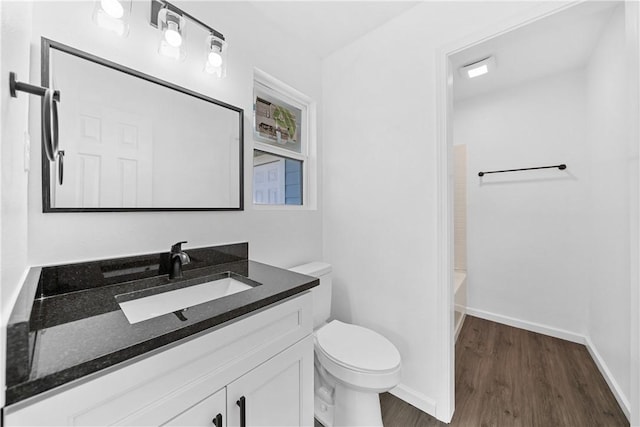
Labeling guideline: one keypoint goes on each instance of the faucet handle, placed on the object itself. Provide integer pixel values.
(186, 259)
(177, 247)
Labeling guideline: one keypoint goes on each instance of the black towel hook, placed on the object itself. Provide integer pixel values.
(49, 115)
(15, 86)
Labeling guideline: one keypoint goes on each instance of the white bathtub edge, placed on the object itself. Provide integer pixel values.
(459, 278)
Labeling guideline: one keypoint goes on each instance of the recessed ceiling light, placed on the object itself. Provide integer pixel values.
(478, 68)
(477, 71)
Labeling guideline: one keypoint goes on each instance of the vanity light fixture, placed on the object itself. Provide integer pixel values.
(478, 68)
(216, 56)
(172, 33)
(113, 15)
(171, 21)
(172, 26)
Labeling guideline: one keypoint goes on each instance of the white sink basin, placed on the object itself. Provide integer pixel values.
(152, 306)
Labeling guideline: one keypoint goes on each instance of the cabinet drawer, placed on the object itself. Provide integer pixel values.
(155, 388)
(203, 414)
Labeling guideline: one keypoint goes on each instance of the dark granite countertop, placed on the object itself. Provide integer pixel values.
(67, 322)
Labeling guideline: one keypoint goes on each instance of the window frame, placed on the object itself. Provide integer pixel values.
(269, 85)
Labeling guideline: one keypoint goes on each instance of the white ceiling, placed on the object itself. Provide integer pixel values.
(557, 43)
(326, 26)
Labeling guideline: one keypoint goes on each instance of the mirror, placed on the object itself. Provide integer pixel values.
(132, 142)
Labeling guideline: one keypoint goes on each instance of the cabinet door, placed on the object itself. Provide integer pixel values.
(207, 413)
(278, 392)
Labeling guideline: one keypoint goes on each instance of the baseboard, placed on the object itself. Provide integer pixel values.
(608, 377)
(458, 327)
(527, 326)
(415, 398)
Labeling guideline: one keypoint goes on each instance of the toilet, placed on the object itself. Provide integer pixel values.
(352, 364)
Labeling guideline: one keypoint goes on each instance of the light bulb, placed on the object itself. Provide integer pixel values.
(113, 8)
(172, 34)
(215, 59)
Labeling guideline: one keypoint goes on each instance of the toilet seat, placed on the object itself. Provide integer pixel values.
(357, 348)
(358, 356)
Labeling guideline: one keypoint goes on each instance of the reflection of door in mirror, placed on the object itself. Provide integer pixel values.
(268, 182)
(135, 142)
(110, 158)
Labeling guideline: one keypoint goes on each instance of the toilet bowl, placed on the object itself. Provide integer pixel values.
(352, 364)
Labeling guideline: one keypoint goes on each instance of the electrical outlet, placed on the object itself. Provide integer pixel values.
(27, 151)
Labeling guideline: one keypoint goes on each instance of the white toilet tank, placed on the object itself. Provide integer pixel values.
(321, 294)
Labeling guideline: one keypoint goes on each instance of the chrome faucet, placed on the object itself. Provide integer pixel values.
(177, 258)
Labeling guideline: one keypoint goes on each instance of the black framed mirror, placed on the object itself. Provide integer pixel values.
(133, 142)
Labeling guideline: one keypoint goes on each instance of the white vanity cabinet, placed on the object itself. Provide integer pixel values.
(268, 395)
(264, 358)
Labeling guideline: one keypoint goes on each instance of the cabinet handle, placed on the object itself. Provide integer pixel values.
(217, 421)
(243, 411)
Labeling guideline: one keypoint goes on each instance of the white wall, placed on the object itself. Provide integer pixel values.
(632, 27)
(15, 28)
(380, 195)
(283, 238)
(528, 232)
(609, 309)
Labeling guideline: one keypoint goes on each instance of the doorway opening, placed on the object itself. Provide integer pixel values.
(530, 260)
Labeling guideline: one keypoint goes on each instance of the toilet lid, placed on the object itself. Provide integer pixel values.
(357, 348)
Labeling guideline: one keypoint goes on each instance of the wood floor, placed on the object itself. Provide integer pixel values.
(510, 377)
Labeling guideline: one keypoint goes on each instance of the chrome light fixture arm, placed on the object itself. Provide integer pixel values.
(157, 5)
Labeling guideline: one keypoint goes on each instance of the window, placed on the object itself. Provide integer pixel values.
(284, 145)
(277, 180)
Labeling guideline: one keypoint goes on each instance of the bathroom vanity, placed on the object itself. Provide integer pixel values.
(240, 359)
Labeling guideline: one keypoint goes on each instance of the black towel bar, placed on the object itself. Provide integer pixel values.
(561, 167)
